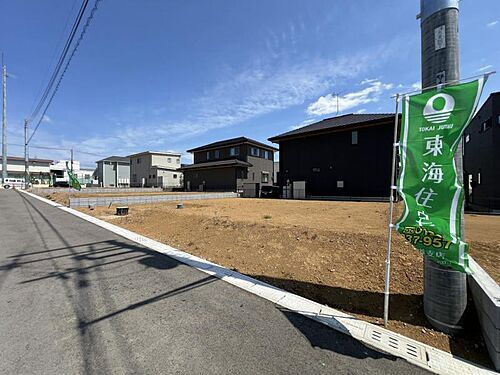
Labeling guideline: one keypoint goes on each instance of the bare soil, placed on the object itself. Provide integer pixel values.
(331, 252)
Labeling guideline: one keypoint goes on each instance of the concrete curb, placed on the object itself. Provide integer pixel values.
(417, 353)
(141, 199)
(486, 295)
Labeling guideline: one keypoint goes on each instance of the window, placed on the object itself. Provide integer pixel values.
(138, 160)
(354, 137)
(265, 177)
(174, 176)
(208, 155)
(87, 176)
(340, 184)
(134, 177)
(217, 154)
(253, 176)
(498, 122)
(254, 151)
(169, 160)
(485, 125)
(479, 177)
(316, 170)
(178, 160)
(234, 151)
(266, 154)
(154, 176)
(467, 138)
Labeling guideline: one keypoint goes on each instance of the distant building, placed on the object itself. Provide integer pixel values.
(227, 165)
(156, 169)
(482, 156)
(343, 156)
(60, 175)
(113, 172)
(39, 169)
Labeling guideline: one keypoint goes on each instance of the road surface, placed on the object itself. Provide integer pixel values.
(78, 299)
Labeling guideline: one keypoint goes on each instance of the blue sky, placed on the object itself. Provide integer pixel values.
(171, 75)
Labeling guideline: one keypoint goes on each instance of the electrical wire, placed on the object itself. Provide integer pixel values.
(82, 34)
(56, 47)
(62, 57)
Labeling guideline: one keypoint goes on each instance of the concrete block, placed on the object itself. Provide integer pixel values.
(486, 295)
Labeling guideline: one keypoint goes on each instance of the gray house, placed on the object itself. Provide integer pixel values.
(113, 171)
(155, 169)
(228, 165)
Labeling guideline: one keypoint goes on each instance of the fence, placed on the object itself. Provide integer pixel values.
(145, 199)
(94, 190)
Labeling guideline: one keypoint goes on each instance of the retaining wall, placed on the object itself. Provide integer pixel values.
(94, 190)
(145, 199)
(486, 295)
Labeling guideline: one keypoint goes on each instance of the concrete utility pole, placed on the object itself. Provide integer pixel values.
(4, 123)
(445, 290)
(26, 156)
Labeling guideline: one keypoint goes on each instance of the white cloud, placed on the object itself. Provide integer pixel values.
(416, 85)
(328, 104)
(359, 111)
(486, 67)
(491, 24)
(268, 84)
(302, 124)
(47, 119)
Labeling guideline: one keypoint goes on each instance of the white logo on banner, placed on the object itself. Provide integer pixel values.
(439, 116)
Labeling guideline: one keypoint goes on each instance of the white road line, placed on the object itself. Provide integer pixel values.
(422, 355)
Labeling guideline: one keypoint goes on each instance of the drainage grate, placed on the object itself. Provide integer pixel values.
(395, 344)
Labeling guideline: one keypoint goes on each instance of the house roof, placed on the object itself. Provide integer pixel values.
(233, 141)
(120, 159)
(349, 120)
(31, 160)
(168, 153)
(217, 164)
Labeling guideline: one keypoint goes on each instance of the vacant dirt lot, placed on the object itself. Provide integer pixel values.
(331, 252)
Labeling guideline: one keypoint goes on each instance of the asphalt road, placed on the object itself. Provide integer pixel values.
(77, 299)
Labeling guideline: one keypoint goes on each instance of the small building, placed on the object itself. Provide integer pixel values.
(39, 169)
(155, 169)
(60, 175)
(113, 172)
(228, 165)
(346, 156)
(481, 157)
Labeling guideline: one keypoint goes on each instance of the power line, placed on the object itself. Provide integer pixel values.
(62, 57)
(82, 34)
(45, 76)
(60, 149)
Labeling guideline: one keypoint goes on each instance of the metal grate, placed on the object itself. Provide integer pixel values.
(395, 344)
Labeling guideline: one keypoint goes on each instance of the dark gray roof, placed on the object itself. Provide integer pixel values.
(219, 163)
(232, 141)
(350, 120)
(120, 159)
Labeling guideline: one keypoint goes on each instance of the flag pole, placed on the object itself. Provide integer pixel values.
(391, 210)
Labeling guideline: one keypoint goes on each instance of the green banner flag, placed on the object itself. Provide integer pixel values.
(433, 124)
(73, 181)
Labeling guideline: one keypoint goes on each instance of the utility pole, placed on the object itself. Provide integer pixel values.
(445, 290)
(71, 161)
(26, 156)
(4, 122)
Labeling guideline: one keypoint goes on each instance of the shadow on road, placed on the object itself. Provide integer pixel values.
(323, 337)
